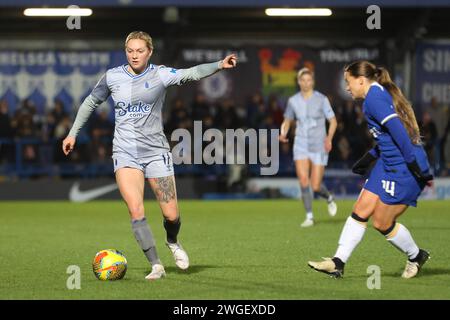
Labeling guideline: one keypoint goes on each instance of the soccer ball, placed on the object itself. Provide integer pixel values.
(109, 264)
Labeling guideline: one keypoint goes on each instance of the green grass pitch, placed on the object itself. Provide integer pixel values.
(238, 250)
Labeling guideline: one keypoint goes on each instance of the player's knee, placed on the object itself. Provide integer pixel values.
(363, 208)
(304, 181)
(357, 207)
(136, 210)
(381, 225)
(171, 216)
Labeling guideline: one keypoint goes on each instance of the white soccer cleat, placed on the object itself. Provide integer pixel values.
(158, 272)
(332, 208)
(307, 223)
(327, 266)
(412, 268)
(180, 256)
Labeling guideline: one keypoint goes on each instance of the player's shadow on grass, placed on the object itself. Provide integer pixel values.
(423, 273)
(340, 221)
(430, 228)
(191, 270)
(433, 271)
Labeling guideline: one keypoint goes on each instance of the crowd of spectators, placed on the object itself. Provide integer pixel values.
(40, 135)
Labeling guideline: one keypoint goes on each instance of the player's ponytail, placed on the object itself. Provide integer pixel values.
(402, 106)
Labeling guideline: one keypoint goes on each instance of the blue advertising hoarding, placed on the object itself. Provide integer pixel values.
(432, 72)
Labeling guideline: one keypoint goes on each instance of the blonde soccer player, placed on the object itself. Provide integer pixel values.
(140, 149)
(310, 109)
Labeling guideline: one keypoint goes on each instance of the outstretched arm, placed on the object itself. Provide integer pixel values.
(171, 76)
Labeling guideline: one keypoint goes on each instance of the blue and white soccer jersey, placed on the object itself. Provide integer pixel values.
(139, 140)
(310, 115)
(390, 178)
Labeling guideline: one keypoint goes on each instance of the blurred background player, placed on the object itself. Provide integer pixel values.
(398, 177)
(140, 148)
(312, 144)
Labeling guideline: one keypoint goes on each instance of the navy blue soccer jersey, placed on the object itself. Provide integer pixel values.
(391, 179)
(378, 108)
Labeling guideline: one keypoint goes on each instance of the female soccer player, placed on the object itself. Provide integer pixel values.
(312, 144)
(140, 148)
(398, 177)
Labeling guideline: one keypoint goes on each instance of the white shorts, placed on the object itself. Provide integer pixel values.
(153, 167)
(318, 158)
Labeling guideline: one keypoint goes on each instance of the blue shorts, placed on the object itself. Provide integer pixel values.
(398, 187)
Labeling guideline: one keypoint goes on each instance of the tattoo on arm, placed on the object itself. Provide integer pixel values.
(165, 189)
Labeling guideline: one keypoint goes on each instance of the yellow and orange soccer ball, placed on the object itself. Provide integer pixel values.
(109, 264)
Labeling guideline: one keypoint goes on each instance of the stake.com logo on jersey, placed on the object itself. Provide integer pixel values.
(133, 111)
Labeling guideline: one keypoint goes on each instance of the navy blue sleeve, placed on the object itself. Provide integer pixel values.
(375, 152)
(401, 138)
(379, 106)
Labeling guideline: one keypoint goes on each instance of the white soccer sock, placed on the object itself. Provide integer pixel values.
(309, 216)
(351, 236)
(401, 238)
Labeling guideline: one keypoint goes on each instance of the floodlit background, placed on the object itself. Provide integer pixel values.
(48, 65)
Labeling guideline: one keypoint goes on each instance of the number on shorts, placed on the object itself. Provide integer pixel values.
(389, 186)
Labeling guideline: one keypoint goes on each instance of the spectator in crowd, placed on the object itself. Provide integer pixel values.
(58, 112)
(29, 154)
(275, 111)
(430, 138)
(6, 134)
(226, 116)
(60, 131)
(260, 116)
(24, 121)
(446, 149)
(26, 127)
(179, 117)
(439, 115)
(342, 152)
(101, 130)
(6, 130)
(200, 108)
(348, 111)
(256, 111)
(357, 134)
(54, 117)
(286, 164)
